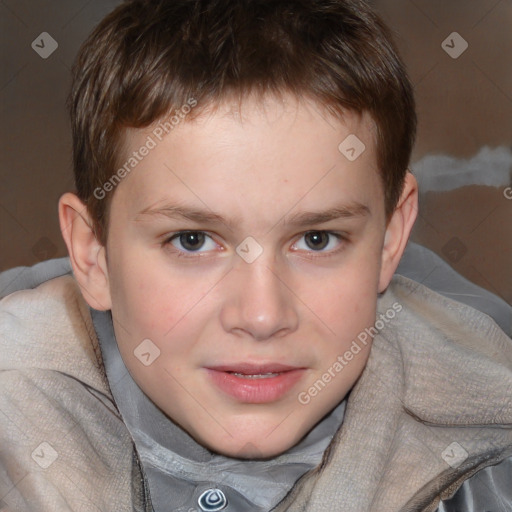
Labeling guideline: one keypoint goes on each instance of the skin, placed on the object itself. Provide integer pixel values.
(258, 168)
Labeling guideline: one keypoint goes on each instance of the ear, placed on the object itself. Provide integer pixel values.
(398, 230)
(87, 255)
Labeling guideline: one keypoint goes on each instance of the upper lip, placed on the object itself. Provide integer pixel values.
(254, 369)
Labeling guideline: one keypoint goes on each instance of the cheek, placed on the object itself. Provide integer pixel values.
(145, 296)
(349, 303)
(163, 306)
(148, 309)
(347, 321)
(137, 305)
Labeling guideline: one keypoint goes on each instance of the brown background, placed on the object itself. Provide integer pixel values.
(463, 104)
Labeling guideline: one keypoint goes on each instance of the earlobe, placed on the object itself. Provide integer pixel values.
(398, 230)
(87, 255)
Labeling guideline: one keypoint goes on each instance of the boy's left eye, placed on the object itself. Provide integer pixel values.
(318, 241)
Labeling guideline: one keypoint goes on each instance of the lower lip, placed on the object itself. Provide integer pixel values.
(256, 391)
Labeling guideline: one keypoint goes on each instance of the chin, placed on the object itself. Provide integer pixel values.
(249, 447)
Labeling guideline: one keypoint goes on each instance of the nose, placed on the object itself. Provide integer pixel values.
(257, 302)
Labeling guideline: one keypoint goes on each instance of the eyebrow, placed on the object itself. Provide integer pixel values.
(349, 211)
(301, 219)
(183, 212)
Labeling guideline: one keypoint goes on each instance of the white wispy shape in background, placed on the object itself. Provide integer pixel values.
(440, 173)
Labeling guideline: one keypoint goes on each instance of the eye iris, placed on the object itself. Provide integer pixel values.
(317, 240)
(192, 241)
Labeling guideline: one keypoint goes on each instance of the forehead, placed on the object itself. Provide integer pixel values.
(261, 157)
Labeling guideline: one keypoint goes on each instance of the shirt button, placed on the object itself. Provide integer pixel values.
(212, 500)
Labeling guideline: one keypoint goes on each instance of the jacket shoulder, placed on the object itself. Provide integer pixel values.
(61, 435)
(448, 321)
(50, 328)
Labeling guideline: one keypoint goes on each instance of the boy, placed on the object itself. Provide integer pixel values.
(231, 337)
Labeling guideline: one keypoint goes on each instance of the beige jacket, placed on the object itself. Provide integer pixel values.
(436, 393)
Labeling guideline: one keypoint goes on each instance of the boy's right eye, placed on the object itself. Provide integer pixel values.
(192, 241)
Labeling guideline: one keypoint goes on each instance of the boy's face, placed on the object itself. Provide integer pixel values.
(277, 273)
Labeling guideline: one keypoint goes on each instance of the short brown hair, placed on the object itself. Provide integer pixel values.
(149, 57)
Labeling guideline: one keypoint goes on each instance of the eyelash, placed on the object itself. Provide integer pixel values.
(341, 238)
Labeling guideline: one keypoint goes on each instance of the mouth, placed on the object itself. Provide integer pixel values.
(257, 376)
(255, 384)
